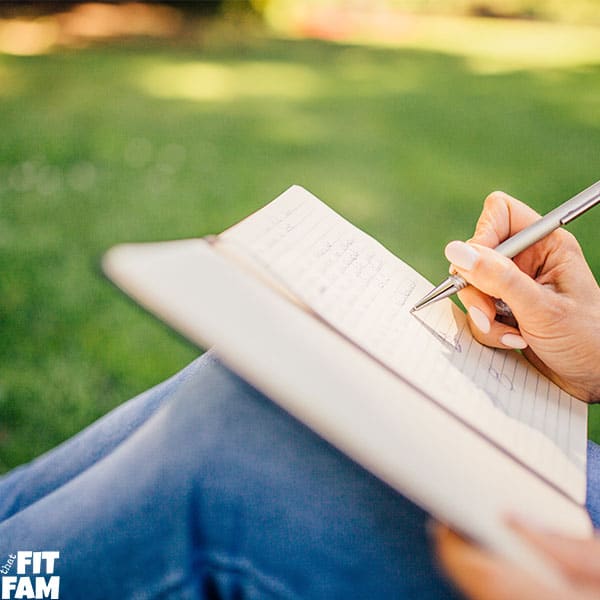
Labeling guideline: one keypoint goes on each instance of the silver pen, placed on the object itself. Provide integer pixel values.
(556, 218)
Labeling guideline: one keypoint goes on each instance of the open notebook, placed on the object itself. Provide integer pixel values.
(315, 313)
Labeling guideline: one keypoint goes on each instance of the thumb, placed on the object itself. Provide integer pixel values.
(495, 275)
(578, 558)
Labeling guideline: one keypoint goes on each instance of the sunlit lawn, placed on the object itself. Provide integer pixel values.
(100, 146)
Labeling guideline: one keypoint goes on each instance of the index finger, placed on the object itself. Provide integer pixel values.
(502, 217)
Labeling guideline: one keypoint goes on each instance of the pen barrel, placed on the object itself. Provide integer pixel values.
(561, 215)
(528, 236)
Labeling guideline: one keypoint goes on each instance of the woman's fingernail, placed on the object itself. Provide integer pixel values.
(462, 255)
(513, 341)
(480, 319)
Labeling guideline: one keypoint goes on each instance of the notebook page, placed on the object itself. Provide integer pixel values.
(415, 447)
(360, 288)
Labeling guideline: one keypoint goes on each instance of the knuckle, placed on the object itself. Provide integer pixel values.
(567, 242)
(500, 271)
(506, 276)
(493, 219)
(561, 309)
(494, 198)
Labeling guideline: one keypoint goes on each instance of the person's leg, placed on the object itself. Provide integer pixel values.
(28, 483)
(220, 494)
(593, 483)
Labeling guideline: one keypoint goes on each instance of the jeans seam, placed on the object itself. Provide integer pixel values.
(265, 584)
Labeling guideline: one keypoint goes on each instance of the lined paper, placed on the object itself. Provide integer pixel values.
(352, 282)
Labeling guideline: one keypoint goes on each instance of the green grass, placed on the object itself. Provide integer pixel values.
(127, 143)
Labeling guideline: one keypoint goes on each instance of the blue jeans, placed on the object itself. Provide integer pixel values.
(203, 488)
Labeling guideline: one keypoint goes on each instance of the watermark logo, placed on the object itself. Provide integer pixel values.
(33, 575)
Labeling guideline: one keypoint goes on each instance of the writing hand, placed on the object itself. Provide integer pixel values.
(549, 287)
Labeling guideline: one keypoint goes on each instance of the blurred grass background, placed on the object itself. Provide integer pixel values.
(401, 121)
